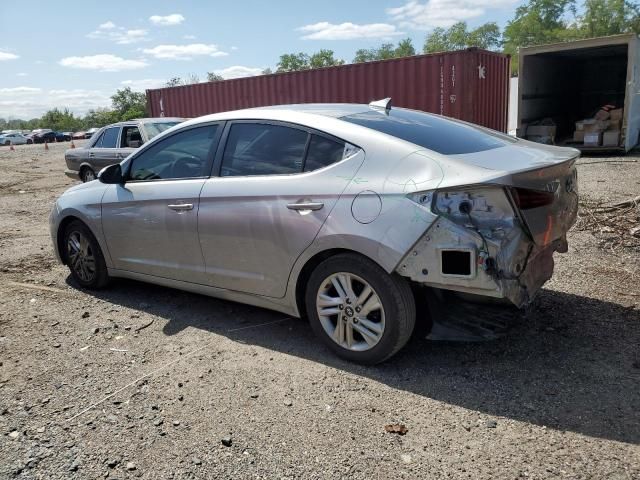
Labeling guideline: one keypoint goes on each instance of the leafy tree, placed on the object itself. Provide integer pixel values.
(174, 82)
(128, 104)
(100, 117)
(60, 120)
(267, 71)
(385, 51)
(214, 77)
(324, 58)
(609, 17)
(458, 37)
(538, 22)
(293, 62)
(405, 48)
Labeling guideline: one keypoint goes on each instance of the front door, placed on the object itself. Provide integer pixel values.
(105, 151)
(150, 222)
(277, 185)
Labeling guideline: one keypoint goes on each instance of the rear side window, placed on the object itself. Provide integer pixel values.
(447, 137)
(109, 138)
(185, 154)
(322, 152)
(263, 149)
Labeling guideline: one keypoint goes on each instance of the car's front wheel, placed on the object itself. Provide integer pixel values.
(87, 174)
(359, 311)
(84, 256)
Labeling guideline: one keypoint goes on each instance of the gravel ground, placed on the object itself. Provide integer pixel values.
(144, 381)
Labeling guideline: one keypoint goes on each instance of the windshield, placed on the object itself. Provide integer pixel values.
(154, 129)
(433, 132)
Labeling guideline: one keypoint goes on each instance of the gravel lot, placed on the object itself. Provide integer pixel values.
(144, 381)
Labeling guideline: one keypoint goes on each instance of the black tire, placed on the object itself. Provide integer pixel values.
(29, 142)
(99, 277)
(395, 296)
(87, 174)
(7, 143)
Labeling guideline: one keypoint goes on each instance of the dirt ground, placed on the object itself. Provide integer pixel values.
(144, 381)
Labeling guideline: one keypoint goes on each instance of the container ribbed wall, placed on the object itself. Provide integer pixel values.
(471, 85)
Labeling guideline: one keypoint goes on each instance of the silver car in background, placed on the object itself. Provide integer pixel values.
(112, 144)
(350, 215)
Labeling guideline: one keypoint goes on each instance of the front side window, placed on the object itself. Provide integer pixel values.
(155, 128)
(110, 138)
(131, 137)
(263, 149)
(185, 154)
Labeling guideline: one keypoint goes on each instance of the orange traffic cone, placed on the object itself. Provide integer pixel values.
(11, 147)
(46, 145)
(73, 144)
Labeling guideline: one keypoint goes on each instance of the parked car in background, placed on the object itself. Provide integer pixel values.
(62, 137)
(67, 136)
(91, 132)
(14, 139)
(44, 137)
(112, 144)
(349, 214)
(79, 135)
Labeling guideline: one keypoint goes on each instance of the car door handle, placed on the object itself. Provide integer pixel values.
(91, 155)
(305, 206)
(181, 207)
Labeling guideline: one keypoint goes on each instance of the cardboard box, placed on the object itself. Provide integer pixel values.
(592, 139)
(615, 124)
(616, 114)
(580, 125)
(611, 138)
(595, 126)
(541, 131)
(602, 115)
(578, 136)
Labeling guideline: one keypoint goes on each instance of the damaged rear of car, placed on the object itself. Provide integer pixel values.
(497, 213)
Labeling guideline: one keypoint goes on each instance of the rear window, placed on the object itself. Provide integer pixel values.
(445, 136)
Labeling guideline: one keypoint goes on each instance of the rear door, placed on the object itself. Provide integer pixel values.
(277, 184)
(105, 152)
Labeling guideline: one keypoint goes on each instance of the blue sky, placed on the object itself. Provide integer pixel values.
(76, 54)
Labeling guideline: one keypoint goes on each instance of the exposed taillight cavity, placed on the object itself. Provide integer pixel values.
(527, 199)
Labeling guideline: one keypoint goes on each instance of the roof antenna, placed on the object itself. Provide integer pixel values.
(384, 104)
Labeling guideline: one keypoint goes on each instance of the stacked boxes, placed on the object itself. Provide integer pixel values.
(601, 130)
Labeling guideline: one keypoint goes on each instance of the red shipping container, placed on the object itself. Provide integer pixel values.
(471, 85)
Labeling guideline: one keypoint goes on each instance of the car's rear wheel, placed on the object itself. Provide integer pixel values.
(87, 174)
(84, 256)
(358, 310)
(7, 143)
(29, 142)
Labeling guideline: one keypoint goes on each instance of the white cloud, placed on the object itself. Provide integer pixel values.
(120, 35)
(144, 84)
(22, 74)
(347, 31)
(30, 102)
(442, 13)
(7, 56)
(189, 37)
(167, 20)
(239, 71)
(184, 52)
(103, 62)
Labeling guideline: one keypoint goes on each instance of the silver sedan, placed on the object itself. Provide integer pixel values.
(355, 216)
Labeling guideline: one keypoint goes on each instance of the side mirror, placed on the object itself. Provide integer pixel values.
(111, 174)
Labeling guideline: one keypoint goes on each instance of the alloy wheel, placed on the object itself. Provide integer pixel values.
(81, 257)
(350, 311)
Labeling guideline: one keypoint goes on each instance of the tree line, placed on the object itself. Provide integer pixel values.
(534, 23)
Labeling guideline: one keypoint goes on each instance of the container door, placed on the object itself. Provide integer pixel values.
(632, 100)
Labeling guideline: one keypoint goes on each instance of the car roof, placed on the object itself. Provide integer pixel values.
(137, 121)
(335, 110)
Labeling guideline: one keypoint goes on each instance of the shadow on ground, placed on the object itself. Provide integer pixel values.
(573, 365)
